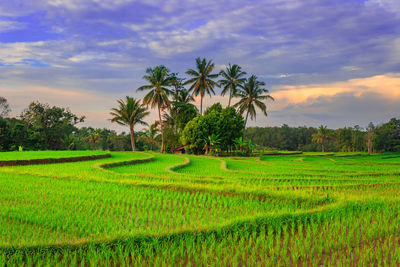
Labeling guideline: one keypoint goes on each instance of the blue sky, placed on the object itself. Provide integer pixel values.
(335, 63)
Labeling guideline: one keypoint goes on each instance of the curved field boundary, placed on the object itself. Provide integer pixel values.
(327, 187)
(224, 166)
(178, 166)
(52, 160)
(107, 166)
(282, 154)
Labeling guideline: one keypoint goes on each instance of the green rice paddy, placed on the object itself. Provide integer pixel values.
(150, 209)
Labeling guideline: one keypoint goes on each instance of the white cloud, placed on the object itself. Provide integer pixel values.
(6, 25)
(16, 52)
(87, 57)
(390, 5)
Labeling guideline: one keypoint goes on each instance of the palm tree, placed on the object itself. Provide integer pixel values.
(159, 79)
(93, 139)
(321, 136)
(183, 96)
(202, 81)
(210, 143)
(129, 113)
(252, 95)
(232, 79)
(151, 135)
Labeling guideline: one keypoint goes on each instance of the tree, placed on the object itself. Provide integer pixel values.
(225, 123)
(182, 111)
(251, 96)
(211, 142)
(93, 139)
(151, 135)
(370, 137)
(129, 113)
(202, 81)
(321, 136)
(232, 79)
(159, 80)
(4, 107)
(48, 126)
(183, 96)
(387, 136)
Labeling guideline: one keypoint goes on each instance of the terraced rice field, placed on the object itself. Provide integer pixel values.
(150, 209)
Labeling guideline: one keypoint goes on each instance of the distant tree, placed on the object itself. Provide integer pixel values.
(232, 80)
(387, 136)
(183, 96)
(151, 135)
(202, 81)
(129, 113)
(252, 95)
(321, 136)
(47, 126)
(159, 80)
(93, 139)
(4, 107)
(357, 138)
(344, 139)
(370, 137)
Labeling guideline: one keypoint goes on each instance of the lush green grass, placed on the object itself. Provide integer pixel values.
(51, 154)
(152, 209)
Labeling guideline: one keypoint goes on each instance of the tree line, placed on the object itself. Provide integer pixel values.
(373, 138)
(179, 122)
(218, 129)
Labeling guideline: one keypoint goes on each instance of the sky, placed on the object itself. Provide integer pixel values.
(334, 63)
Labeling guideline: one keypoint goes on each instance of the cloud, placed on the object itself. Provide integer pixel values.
(389, 5)
(7, 25)
(306, 51)
(387, 86)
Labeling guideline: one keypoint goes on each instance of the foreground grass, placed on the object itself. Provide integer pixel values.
(151, 209)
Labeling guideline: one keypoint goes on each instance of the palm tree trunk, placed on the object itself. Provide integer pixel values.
(162, 130)
(201, 105)
(230, 96)
(132, 138)
(245, 122)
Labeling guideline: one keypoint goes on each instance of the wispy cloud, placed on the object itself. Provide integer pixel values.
(306, 51)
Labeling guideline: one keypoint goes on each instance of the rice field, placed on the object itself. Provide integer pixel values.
(150, 209)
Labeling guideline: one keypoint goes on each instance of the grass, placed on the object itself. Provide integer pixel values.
(51, 154)
(176, 210)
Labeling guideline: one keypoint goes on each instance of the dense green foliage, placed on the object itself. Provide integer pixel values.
(222, 122)
(171, 210)
(384, 137)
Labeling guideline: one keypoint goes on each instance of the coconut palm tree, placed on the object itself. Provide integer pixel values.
(159, 80)
(151, 135)
(232, 79)
(129, 113)
(202, 80)
(251, 96)
(183, 96)
(321, 136)
(93, 139)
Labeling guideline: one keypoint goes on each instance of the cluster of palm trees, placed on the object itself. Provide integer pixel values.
(160, 87)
